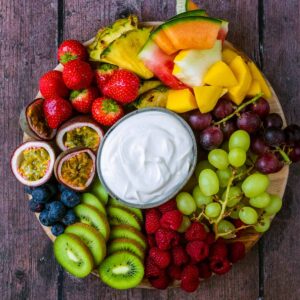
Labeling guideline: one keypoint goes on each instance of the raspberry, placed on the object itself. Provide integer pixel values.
(174, 272)
(237, 224)
(152, 220)
(210, 238)
(219, 248)
(151, 269)
(168, 206)
(179, 256)
(237, 251)
(196, 231)
(197, 250)
(190, 278)
(219, 265)
(204, 270)
(160, 257)
(171, 219)
(166, 238)
(151, 241)
(160, 282)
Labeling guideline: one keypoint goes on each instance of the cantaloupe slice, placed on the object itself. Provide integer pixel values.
(163, 41)
(254, 88)
(219, 74)
(181, 101)
(228, 55)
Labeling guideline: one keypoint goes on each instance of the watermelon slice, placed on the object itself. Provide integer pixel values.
(223, 31)
(160, 64)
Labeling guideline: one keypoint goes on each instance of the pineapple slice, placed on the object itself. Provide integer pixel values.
(123, 52)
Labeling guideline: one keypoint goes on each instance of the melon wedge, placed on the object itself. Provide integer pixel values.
(254, 88)
(163, 41)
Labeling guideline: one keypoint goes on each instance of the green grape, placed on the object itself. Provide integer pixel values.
(237, 157)
(218, 158)
(274, 205)
(220, 192)
(255, 184)
(185, 224)
(239, 139)
(225, 146)
(185, 203)
(209, 182)
(200, 198)
(212, 210)
(260, 201)
(248, 215)
(202, 165)
(263, 224)
(225, 226)
(235, 195)
(224, 176)
(236, 210)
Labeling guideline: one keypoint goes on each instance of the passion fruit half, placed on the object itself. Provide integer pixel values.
(32, 163)
(80, 131)
(33, 122)
(75, 168)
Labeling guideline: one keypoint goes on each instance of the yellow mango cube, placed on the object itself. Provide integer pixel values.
(242, 73)
(181, 101)
(257, 75)
(254, 88)
(208, 96)
(219, 74)
(228, 55)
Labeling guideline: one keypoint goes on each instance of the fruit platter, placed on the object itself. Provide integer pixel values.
(156, 154)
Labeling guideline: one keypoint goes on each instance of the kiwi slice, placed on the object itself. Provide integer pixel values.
(121, 270)
(91, 238)
(73, 255)
(120, 215)
(90, 215)
(129, 232)
(136, 211)
(127, 245)
(99, 191)
(92, 200)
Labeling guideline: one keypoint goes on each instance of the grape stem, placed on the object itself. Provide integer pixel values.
(232, 231)
(283, 155)
(239, 108)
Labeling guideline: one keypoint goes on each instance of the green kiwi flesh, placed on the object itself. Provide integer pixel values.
(118, 216)
(99, 191)
(127, 245)
(92, 200)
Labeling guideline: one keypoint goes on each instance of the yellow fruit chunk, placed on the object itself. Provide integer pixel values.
(181, 101)
(208, 96)
(254, 88)
(257, 75)
(219, 74)
(228, 55)
(241, 71)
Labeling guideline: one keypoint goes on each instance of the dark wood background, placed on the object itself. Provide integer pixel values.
(30, 30)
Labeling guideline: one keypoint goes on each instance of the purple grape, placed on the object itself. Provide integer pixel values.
(249, 121)
(273, 120)
(261, 107)
(228, 128)
(211, 138)
(274, 136)
(268, 163)
(292, 134)
(294, 155)
(259, 146)
(222, 109)
(199, 121)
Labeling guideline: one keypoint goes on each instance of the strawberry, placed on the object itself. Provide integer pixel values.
(57, 110)
(82, 99)
(190, 278)
(106, 111)
(123, 86)
(77, 74)
(70, 50)
(152, 220)
(160, 257)
(52, 85)
(171, 219)
(103, 73)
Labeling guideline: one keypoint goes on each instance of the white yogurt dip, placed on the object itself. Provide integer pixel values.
(146, 157)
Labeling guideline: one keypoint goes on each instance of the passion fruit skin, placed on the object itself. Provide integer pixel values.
(69, 153)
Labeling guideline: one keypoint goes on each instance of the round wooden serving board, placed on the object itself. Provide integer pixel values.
(278, 180)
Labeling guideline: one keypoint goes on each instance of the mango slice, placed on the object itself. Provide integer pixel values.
(228, 55)
(257, 75)
(208, 96)
(241, 71)
(181, 101)
(254, 88)
(219, 74)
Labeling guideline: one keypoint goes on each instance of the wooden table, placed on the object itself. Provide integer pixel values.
(30, 30)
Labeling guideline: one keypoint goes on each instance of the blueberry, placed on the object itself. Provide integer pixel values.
(40, 195)
(35, 207)
(69, 218)
(69, 198)
(56, 211)
(62, 188)
(28, 189)
(44, 218)
(57, 229)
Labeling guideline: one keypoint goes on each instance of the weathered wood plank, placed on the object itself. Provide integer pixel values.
(27, 269)
(280, 56)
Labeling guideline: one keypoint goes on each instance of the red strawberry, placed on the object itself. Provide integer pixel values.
(171, 219)
(190, 278)
(237, 251)
(175, 272)
(151, 241)
(151, 269)
(106, 111)
(160, 257)
(196, 232)
(179, 256)
(166, 238)
(70, 50)
(219, 248)
(152, 220)
(57, 110)
(123, 86)
(103, 73)
(52, 85)
(204, 270)
(160, 282)
(77, 74)
(197, 250)
(219, 265)
(170, 205)
(82, 100)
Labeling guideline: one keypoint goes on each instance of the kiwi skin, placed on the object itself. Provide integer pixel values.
(127, 245)
(120, 215)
